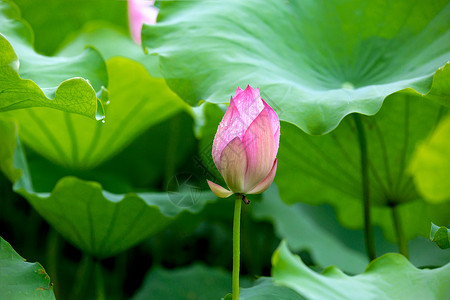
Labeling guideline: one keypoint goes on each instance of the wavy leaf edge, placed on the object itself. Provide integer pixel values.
(296, 265)
(418, 84)
(100, 96)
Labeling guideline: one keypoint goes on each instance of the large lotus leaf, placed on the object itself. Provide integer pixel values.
(148, 162)
(56, 20)
(97, 221)
(327, 169)
(102, 223)
(314, 61)
(208, 117)
(315, 229)
(21, 280)
(388, 277)
(198, 282)
(202, 282)
(137, 101)
(265, 289)
(440, 236)
(41, 81)
(110, 41)
(7, 151)
(430, 165)
(302, 232)
(306, 173)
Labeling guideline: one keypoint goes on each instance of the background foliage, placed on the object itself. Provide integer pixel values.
(120, 208)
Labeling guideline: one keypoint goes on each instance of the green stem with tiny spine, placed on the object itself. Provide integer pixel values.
(236, 246)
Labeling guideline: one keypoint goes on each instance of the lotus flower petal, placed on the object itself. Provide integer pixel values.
(140, 12)
(264, 184)
(219, 191)
(233, 164)
(246, 144)
(249, 105)
(244, 107)
(260, 148)
(275, 124)
(238, 91)
(229, 128)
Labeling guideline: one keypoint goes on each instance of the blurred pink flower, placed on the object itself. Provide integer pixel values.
(140, 12)
(246, 144)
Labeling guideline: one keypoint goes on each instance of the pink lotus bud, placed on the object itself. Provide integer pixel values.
(140, 12)
(246, 145)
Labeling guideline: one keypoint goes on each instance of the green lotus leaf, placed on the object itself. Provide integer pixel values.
(295, 224)
(136, 102)
(202, 282)
(149, 162)
(8, 149)
(208, 117)
(307, 175)
(59, 19)
(99, 222)
(327, 169)
(193, 282)
(315, 229)
(265, 289)
(102, 223)
(21, 280)
(71, 84)
(110, 41)
(430, 165)
(314, 61)
(388, 277)
(440, 236)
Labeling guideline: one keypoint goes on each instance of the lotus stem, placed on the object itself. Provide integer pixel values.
(52, 257)
(368, 230)
(99, 282)
(401, 239)
(83, 277)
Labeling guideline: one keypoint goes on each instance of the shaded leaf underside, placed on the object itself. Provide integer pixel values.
(327, 168)
(98, 222)
(430, 165)
(136, 102)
